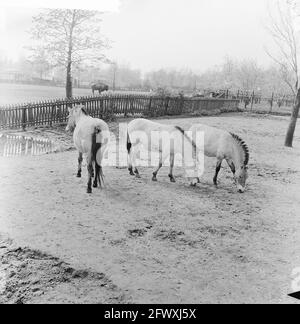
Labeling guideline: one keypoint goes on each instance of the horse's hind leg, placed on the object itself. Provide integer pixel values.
(99, 177)
(98, 171)
(90, 171)
(172, 159)
(97, 167)
(218, 168)
(133, 170)
(130, 169)
(154, 178)
(80, 159)
(130, 159)
(136, 172)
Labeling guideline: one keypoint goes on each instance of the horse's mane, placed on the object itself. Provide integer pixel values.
(243, 146)
(84, 111)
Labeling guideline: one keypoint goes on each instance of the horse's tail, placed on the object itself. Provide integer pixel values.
(187, 138)
(129, 144)
(95, 148)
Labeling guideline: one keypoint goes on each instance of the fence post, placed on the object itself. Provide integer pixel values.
(132, 111)
(110, 105)
(150, 104)
(181, 98)
(126, 106)
(52, 114)
(24, 111)
(166, 105)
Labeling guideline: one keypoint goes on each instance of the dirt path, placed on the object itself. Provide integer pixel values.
(138, 241)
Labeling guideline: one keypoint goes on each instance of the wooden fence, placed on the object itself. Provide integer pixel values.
(105, 106)
(253, 98)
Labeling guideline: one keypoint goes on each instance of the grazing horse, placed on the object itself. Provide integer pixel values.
(169, 142)
(99, 86)
(224, 145)
(91, 138)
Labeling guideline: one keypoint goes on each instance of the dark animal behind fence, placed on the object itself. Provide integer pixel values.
(100, 87)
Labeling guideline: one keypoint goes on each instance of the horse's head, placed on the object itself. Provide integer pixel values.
(74, 115)
(241, 177)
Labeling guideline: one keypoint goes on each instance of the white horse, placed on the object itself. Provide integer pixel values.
(217, 143)
(91, 138)
(168, 141)
(226, 146)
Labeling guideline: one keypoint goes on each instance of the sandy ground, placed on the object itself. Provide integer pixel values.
(142, 242)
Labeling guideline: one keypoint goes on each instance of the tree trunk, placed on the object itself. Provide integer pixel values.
(292, 126)
(69, 85)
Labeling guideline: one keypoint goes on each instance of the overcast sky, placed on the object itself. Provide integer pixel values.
(151, 34)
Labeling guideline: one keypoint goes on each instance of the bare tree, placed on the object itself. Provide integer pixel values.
(248, 75)
(283, 31)
(69, 37)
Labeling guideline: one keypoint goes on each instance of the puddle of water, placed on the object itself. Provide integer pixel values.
(13, 145)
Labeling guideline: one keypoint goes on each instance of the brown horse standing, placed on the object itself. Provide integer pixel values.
(99, 86)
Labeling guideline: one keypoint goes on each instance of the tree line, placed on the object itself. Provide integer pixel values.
(232, 74)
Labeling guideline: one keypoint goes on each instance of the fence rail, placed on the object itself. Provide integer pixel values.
(255, 101)
(105, 106)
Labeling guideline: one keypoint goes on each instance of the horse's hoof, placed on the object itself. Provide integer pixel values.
(154, 179)
(138, 176)
(95, 185)
(78, 175)
(193, 183)
(89, 190)
(132, 174)
(172, 179)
